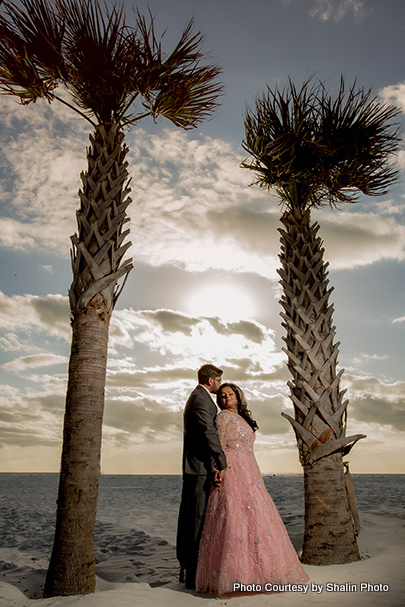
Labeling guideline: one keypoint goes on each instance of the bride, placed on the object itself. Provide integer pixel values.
(244, 540)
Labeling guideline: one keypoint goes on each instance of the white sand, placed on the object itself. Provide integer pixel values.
(381, 544)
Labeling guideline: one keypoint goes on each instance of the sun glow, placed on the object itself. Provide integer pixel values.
(229, 302)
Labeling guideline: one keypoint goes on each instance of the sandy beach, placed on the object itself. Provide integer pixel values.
(126, 558)
(377, 579)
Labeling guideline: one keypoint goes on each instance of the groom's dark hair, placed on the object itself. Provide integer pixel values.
(208, 371)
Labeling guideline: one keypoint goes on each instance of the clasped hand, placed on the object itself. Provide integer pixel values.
(218, 478)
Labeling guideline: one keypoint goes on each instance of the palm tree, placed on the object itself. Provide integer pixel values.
(113, 75)
(315, 149)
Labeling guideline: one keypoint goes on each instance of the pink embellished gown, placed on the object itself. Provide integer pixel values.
(244, 539)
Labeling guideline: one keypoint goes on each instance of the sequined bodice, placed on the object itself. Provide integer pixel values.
(234, 432)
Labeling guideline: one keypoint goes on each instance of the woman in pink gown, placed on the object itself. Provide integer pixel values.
(244, 540)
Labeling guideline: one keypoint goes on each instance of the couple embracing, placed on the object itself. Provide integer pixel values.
(229, 531)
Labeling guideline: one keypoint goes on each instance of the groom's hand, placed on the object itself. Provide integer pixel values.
(218, 478)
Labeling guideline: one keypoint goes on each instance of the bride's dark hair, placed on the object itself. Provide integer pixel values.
(242, 404)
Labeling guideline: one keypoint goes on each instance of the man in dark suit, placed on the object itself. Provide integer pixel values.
(203, 462)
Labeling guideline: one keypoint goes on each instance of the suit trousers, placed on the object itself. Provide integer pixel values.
(194, 498)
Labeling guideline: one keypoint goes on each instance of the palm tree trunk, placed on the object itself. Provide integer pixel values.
(329, 534)
(72, 565)
(97, 266)
(320, 410)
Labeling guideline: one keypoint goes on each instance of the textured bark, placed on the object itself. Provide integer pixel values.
(319, 405)
(72, 565)
(329, 536)
(98, 247)
(97, 255)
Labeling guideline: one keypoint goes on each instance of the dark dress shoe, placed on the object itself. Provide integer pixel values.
(190, 585)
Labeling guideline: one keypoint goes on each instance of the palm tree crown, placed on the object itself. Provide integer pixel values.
(316, 149)
(105, 65)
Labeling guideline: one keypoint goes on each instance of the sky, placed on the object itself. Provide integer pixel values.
(204, 287)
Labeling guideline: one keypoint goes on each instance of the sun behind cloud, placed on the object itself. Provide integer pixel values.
(225, 300)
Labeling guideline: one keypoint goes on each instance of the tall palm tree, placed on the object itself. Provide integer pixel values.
(113, 75)
(315, 149)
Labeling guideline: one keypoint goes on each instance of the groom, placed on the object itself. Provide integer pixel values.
(201, 449)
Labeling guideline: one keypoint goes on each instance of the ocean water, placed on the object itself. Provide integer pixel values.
(137, 518)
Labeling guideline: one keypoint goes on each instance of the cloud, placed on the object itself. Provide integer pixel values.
(377, 387)
(245, 350)
(172, 322)
(368, 357)
(267, 412)
(141, 413)
(43, 152)
(34, 361)
(357, 239)
(193, 207)
(195, 210)
(183, 186)
(389, 207)
(31, 420)
(177, 337)
(152, 369)
(11, 342)
(176, 181)
(401, 319)
(252, 235)
(130, 410)
(395, 94)
(376, 402)
(20, 313)
(24, 437)
(379, 411)
(337, 9)
(249, 329)
(149, 378)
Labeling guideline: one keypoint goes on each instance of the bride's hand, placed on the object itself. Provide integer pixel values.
(218, 478)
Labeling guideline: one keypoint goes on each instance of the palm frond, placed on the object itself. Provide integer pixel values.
(279, 135)
(358, 137)
(31, 61)
(177, 87)
(98, 55)
(317, 149)
(111, 71)
(112, 66)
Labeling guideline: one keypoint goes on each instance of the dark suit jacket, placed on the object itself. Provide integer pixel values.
(201, 441)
